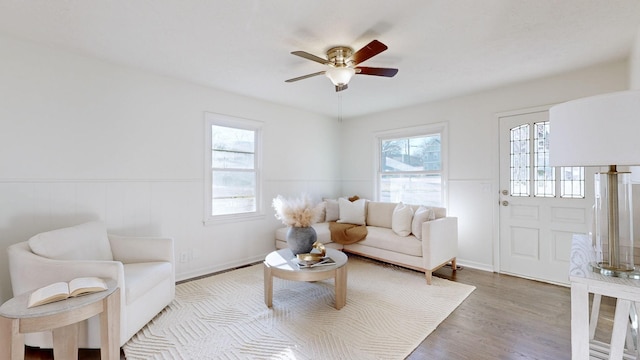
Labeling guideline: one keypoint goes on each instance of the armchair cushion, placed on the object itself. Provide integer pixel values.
(86, 241)
(142, 277)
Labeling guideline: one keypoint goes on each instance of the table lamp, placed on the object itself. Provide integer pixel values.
(603, 131)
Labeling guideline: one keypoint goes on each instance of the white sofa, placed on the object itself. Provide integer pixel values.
(427, 248)
(144, 269)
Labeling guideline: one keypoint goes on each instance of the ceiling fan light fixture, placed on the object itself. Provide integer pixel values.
(342, 63)
(340, 75)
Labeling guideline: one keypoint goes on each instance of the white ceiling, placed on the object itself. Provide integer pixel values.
(443, 48)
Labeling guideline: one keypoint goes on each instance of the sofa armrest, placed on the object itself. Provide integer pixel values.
(130, 249)
(29, 271)
(439, 241)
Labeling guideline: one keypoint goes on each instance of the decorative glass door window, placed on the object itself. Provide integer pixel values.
(530, 170)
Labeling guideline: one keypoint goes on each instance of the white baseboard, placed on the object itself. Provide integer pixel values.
(220, 267)
(474, 265)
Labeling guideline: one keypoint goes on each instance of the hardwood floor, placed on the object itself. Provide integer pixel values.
(506, 317)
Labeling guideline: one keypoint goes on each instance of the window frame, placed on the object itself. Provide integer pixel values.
(214, 119)
(441, 128)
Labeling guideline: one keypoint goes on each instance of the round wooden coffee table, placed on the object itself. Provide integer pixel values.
(280, 264)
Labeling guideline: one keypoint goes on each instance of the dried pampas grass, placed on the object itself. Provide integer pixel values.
(298, 212)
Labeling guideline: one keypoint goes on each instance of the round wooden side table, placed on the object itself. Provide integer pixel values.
(62, 318)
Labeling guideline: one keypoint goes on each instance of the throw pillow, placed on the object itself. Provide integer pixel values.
(421, 215)
(332, 210)
(401, 219)
(86, 241)
(352, 212)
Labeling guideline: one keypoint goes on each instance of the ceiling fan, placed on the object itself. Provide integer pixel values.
(343, 64)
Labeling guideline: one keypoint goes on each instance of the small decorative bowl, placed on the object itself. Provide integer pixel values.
(313, 256)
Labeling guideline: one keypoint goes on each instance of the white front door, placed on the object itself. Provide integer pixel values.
(539, 213)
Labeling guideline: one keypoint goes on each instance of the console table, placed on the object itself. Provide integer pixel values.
(61, 317)
(585, 281)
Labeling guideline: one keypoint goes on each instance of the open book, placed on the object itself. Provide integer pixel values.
(62, 290)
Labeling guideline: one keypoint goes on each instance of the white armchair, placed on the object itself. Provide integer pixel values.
(144, 269)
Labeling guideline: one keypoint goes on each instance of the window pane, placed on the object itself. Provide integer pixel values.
(232, 148)
(232, 139)
(411, 154)
(544, 181)
(520, 163)
(422, 189)
(232, 160)
(233, 192)
(572, 182)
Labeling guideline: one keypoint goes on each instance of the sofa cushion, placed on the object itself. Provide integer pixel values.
(331, 210)
(421, 215)
(352, 212)
(401, 219)
(386, 239)
(322, 231)
(380, 213)
(86, 241)
(139, 278)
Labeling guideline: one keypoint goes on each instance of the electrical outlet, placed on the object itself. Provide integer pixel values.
(184, 257)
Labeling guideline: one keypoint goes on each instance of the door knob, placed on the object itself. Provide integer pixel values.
(505, 192)
(505, 203)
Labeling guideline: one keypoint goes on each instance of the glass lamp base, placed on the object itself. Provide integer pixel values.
(613, 223)
(604, 269)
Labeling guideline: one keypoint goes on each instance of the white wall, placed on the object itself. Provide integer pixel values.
(473, 150)
(634, 64)
(83, 139)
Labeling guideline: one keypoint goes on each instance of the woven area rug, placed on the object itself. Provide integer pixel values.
(389, 311)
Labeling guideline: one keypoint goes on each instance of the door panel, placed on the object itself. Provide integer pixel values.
(525, 242)
(536, 223)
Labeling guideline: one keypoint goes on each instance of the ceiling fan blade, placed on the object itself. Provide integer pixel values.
(311, 57)
(370, 50)
(305, 76)
(388, 72)
(341, 87)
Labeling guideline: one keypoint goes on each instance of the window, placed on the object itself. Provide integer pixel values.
(411, 166)
(543, 177)
(232, 165)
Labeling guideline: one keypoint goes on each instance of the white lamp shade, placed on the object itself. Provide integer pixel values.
(600, 130)
(340, 75)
